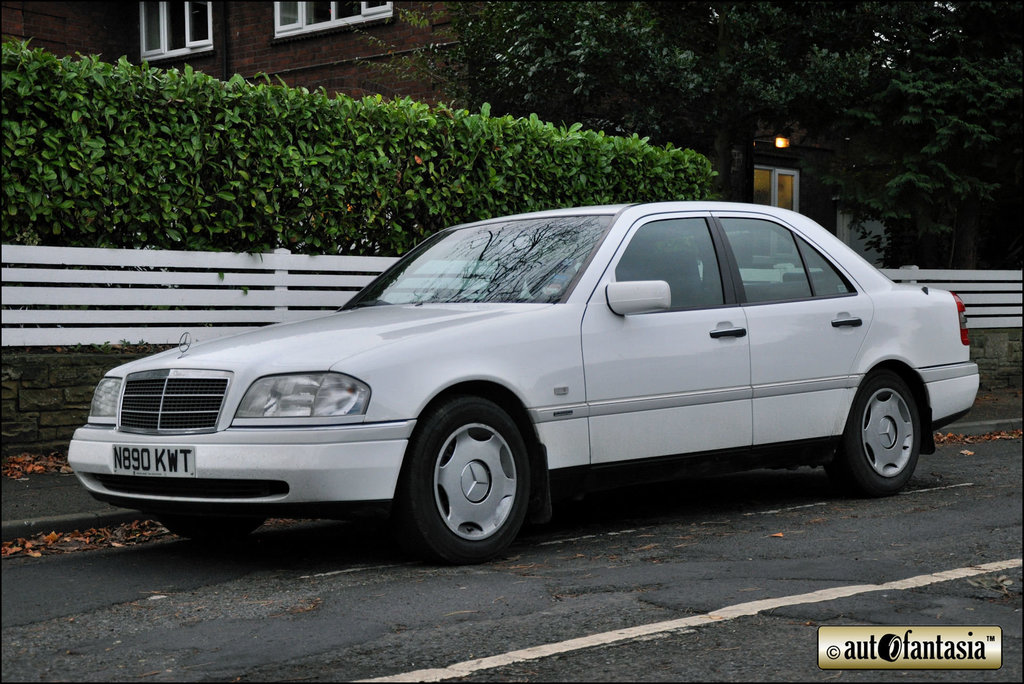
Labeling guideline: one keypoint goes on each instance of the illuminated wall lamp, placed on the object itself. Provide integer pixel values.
(781, 142)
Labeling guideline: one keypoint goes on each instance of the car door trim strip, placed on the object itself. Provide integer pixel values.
(780, 389)
(669, 401)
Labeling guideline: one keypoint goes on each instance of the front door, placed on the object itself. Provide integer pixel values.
(668, 382)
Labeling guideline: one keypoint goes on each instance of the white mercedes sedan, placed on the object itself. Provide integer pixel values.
(506, 364)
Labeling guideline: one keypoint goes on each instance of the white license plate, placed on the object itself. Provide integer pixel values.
(161, 461)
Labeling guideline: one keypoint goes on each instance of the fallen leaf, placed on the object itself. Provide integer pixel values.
(17, 467)
(955, 438)
(136, 532)
(778, 534)
(306, 606)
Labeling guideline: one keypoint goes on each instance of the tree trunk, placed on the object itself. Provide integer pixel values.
(735, 181)
(928, 250)
(723, 156)
(965, 235)
(743, 185)
(723, 135)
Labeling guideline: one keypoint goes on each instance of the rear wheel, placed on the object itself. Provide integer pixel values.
(203, 528)
(464, 489)
(882, 440)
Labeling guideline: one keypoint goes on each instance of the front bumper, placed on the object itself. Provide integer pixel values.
(282, 471)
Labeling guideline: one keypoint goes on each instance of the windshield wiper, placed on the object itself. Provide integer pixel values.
(367, 303)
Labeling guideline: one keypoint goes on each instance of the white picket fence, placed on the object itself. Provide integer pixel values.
(59, 296)
(62, 296)
(992, 298)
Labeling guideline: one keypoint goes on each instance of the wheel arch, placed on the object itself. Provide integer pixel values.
(920, 392)
(539, 510)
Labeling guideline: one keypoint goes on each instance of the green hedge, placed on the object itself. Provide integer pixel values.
(119, 155)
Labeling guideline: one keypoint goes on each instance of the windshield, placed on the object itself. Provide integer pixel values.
(528, 260)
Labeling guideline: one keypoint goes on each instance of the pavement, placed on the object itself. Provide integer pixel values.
(56, 502)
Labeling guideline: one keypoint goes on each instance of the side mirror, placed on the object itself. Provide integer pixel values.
(638, 296)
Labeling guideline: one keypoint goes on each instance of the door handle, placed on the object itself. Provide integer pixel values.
(729, 332)
(851, 322)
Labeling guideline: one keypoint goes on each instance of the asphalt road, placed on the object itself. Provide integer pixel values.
(677, 564)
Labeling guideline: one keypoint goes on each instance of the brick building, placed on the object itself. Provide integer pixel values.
(337, 45)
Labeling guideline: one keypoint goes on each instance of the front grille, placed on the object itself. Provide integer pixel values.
(192, 487)
(172, 401)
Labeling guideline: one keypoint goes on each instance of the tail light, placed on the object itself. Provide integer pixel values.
(961, 311)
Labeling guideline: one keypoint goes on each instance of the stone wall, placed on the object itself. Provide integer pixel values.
(997, 351)
(46, 394)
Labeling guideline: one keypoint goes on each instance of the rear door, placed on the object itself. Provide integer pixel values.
(669, 382)
(806, 324)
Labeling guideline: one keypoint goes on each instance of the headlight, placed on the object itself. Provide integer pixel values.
(104, 401)
(304, 395)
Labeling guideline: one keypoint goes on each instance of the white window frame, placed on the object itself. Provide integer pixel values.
(776, 172)
(191, 46)
(366, 13)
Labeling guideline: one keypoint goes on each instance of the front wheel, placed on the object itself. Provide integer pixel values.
(882, 440)
(464, 489)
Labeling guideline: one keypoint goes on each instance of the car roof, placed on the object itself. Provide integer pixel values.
(653, 207)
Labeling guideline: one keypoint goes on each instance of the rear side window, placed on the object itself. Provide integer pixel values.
(826, 281)
(777, 266)
(680, 252)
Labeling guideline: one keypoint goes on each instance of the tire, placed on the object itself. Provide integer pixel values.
(210, 529)
(882, 439)
(465, 484)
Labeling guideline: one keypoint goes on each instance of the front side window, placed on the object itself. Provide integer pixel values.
(776, 265)
(680, 252)
(524, 261)
(306, 17)
(170, 29)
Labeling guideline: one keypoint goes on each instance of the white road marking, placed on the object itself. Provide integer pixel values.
(469, 667)
(936, 489)
(347, 571)
(585, 536)
(568, 540)
(775, 511)
(785, 510)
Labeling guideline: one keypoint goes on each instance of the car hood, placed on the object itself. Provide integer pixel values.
(321, 343)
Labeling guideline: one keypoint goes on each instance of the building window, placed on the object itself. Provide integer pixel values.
(170, 29)
(777, 187)
(305, 17)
